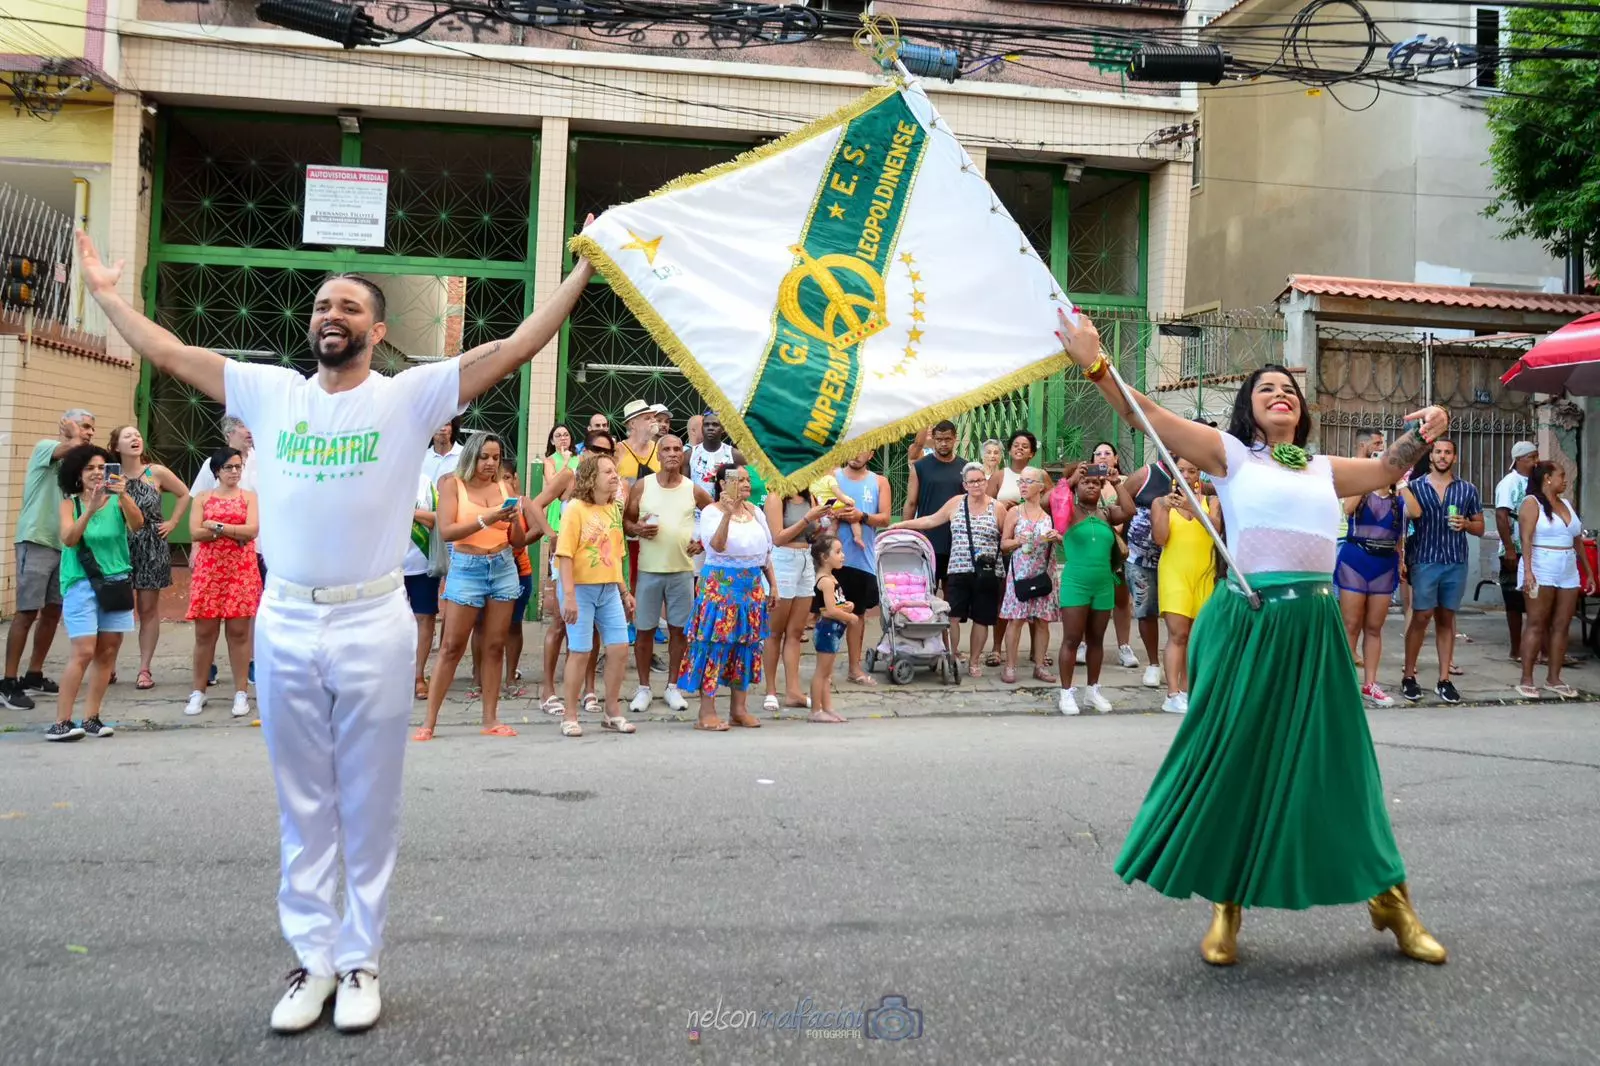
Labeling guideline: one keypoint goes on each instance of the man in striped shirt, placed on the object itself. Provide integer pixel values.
(1437, 570)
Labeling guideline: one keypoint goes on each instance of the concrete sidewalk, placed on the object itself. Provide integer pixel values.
(1489, 678)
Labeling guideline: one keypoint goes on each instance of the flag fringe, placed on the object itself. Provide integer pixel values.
(815, 128)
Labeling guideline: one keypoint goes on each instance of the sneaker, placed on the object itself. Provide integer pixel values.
(252, 674)
(1097, 701)
(1126, 657)
(658, 663)
(63, 731)
(241, 705)
(212, 679)
(301, 1006)
(661, 634)
(1183, 701)
(357, 1006)
(641, 700)
(1377, 696)
(39, 683)
(1083, 654)
(94, 727)
(12, 695)
(1410, 689)
(1173, 704)
(1447, 692)
(675, 700)
(197, 702)
(1067, 703)
(1152, 676)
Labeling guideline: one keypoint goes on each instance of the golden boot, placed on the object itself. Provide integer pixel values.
(1221, 944)
(1392, 911)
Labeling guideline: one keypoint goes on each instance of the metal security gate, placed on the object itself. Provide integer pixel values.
(228, 271)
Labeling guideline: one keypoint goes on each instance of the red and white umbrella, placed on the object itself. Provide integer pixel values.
(1568, 359)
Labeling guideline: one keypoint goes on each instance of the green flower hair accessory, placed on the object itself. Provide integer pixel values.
(1291, 456)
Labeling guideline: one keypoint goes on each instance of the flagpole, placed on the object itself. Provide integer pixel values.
(1172, 464)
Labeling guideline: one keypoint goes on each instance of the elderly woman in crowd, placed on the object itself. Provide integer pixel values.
(96, 518)
(730, 620)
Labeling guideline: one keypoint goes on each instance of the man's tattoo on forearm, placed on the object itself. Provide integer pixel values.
(482, 354)
(1404, 453)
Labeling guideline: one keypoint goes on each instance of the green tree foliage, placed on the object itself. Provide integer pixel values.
(1546, 128)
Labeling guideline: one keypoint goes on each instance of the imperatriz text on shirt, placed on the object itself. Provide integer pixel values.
(309, 449)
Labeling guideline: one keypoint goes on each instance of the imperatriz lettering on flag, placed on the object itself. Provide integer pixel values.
(838, 288)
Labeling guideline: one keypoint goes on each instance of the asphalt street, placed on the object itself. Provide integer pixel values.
(562, 901)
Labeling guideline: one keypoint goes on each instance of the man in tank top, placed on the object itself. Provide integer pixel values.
(660, 513)
(868, 494)
(935, 481)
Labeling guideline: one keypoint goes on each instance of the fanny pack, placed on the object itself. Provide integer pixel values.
(1383, 548)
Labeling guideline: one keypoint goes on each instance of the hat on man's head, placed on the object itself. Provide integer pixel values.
(634, 409)
(660, 409)
(1522, 449)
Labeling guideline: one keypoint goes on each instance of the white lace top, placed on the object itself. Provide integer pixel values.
(749, 543)
(1278, 519)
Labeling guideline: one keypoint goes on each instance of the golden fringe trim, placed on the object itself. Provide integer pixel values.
(733, 420)
(815, 128)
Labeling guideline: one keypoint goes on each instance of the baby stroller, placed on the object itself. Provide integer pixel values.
(916, 623)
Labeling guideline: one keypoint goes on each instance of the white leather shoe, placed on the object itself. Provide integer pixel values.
(196, 704)
(1066, 702)
(1098, 701)
(241, 705)
(1152, 676)
(357, 1006)
(1126, 657)
(675, 700)
(641, 700)
(301, 1006)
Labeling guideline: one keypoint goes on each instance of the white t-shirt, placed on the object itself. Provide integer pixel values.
(703, 466)
(206, 481)
(427, 500)
(1510, 493)
(436, 466)
(336, 470)
(1277, 519)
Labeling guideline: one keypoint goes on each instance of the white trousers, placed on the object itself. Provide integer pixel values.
(334, 685)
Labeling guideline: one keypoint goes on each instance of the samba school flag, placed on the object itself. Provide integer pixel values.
(832, 291)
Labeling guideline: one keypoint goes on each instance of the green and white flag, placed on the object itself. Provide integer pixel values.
(834, 290)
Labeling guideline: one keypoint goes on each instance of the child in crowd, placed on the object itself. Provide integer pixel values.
(825, 492)
(835, 617)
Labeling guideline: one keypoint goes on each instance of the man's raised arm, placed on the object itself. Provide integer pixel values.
(200, 367)
(487, 364)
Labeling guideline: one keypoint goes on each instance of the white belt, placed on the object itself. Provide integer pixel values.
(365, 590)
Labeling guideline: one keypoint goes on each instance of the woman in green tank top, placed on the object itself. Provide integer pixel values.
(1088, 589)
(98, 515)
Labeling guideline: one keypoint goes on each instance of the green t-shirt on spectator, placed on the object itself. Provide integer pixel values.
(107, 537)
(39, 520)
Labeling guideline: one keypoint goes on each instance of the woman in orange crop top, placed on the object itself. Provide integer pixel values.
(475, 519)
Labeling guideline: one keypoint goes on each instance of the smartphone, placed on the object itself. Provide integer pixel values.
(1097, 470)
(113, 470)
(511, 502)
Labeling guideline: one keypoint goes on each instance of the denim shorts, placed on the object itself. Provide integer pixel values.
(599, 607)
(81, 613)
(1143, 583)
(1438, 585)
(475, 579)
(828, 636)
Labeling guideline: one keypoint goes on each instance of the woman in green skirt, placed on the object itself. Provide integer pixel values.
(1270, 795)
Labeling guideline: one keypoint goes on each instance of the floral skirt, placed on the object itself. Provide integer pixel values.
(727, 631)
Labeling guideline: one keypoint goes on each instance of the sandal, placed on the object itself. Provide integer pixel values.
(1008, 674)
(499, 730)
(1455, 670)
(991, 659)
(513, 692)
(591, 703)
(771, 704)
(825, 717)
(1527, 692)
(618, 724)
(1047, 676)
(974, 671)
(1566, 692)
(1048, 660)
(422, 734)
(420, 690)
(474, 691)
(569, 728)
(553, 705)
(864, 679)
(146, 681)
(745, 720)
(712, 725)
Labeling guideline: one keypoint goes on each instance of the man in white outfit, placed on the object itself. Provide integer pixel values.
(337, 467)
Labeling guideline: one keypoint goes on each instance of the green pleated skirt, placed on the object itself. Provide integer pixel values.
(1270, 794)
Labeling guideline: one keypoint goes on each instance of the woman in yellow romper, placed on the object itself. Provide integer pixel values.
(1185, 577)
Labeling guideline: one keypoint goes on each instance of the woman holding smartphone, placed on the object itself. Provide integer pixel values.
(475, 519)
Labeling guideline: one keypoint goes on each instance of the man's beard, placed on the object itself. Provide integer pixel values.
(1443, 469)
(354, 345)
